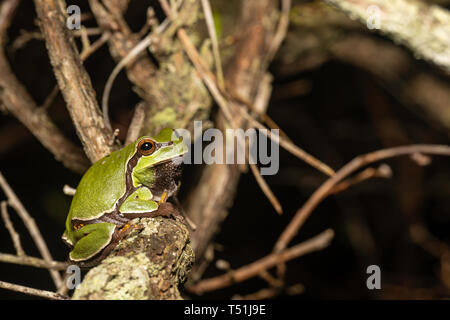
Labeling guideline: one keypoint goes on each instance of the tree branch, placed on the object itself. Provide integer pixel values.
(421, 27)
(30, 224)
(218, 183)
(18, 101)
(151, 263)
(74, 82)
(324, 190)
(251, 270)
(32, 291)
(32, 262)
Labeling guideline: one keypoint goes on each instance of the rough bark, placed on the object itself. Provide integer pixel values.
(151, 263)
(19, 102)
(73, 80)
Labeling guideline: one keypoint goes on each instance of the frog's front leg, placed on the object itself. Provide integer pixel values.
(165, 209)
(140, 205)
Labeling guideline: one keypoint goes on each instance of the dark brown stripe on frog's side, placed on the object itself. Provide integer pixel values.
(129, 189)
(114, 216)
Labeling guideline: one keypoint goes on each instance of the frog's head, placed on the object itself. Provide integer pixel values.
(158, 162)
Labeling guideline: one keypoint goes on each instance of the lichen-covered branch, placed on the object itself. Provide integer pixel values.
(423, 28)
(151, 263)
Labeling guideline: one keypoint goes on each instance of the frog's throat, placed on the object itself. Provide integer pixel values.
(166, 174)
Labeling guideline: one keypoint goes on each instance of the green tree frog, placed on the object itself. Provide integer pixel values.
(132, 182)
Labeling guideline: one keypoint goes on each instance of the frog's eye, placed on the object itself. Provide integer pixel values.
(146, 147)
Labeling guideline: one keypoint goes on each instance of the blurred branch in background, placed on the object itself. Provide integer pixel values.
(210, 200)
(32, 228)
(181, 60)
(321, 33)
(324, 190)
(74, 82)
(16, 100)
(256, 268)
(424, 29)
(32, 291)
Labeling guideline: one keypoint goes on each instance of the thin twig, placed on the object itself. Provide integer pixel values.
(85, 53)
(289, 146)
(281, 31)
(266, 189)
(83, 32)
(32, 291)
(168, 11)
(209, 81)
(141, 46)
(50, 98)
(422, 237)
(316, 243)
(270, 279)
(26, 36)
(12, 232)
(273, 125)
(137, 122)
(259, 106)
(18, 101)
(68, 190)
(64, 288)
(215, 44)
(207, 77)
(131, 55)
(32, 262)
(73, 80)
(85, 42)
(33, 229)
(323, 191)
(384, 171)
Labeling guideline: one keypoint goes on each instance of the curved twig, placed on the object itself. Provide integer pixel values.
(18, 101)
(324, 190)
(139, 48)
(33, 262)
(318, 242)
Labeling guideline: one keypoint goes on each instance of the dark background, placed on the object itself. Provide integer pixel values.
(334, 120)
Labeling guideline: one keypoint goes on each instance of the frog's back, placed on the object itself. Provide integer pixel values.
(101, 186)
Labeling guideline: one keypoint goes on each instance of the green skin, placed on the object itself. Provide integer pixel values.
(122, 186)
